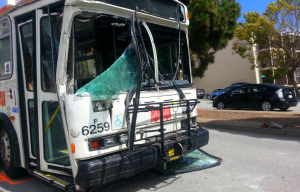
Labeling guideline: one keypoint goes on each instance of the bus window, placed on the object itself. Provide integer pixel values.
(27, 47)
(5, 54)
(32, 126)
(97, 41)
(5, 59)
(4, 27)
(48, 67)
(165, 9)
(55, 145)
(167, 57)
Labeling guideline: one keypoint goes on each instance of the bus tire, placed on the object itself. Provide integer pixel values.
(7, 155)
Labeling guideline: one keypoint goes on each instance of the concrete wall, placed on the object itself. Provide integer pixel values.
(228, 68)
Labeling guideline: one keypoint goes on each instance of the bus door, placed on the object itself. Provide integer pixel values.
(25, 31)
(52, 154)
(53, 148)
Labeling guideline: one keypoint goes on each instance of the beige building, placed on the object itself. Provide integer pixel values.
(228, 68)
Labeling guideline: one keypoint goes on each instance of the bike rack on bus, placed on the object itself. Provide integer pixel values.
(188, 104)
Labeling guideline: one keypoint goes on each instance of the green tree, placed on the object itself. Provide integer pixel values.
(212, 25)
(275, 37)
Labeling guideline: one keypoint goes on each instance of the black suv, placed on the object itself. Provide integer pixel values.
(265, 97)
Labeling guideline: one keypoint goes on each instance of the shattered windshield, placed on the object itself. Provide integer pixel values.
(101, 61)
(120, 77)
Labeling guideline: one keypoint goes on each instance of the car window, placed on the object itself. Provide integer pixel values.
(240, 90)
(229, 88)
(267, 89)
(226, 89)
(254, 89)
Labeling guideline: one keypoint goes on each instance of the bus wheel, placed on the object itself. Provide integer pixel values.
(7, 156)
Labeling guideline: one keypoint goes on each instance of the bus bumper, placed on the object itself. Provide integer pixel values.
(101, 170)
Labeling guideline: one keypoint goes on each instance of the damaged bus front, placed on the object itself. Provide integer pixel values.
(124, 85)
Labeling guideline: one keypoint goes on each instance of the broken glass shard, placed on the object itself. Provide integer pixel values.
(120, 77)
(194, 161)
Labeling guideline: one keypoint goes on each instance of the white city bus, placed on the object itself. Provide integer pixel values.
(95, 90)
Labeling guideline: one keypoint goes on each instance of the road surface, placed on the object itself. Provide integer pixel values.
(252, 162)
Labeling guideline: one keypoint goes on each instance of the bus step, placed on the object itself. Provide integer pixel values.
(62, 182)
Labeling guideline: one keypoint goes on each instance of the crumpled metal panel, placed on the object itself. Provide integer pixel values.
(120, 77)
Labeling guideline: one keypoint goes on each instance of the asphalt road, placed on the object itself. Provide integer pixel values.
(207, 104)
(252, 162)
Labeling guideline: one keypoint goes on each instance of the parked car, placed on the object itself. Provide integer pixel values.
(214, 91)
(200, 93)
(216, 94)
(265, 97)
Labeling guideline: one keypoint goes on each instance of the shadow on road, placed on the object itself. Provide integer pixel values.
(147, 180)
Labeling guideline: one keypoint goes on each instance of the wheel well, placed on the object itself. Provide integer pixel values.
(6, 124)
(266, 101)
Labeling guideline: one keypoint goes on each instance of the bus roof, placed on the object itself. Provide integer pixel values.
(13, 5)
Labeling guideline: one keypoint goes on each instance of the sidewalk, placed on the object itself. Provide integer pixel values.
(247, 126)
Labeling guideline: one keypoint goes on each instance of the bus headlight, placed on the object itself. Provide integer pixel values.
(123, 138)
(107, 141)
(110, 140)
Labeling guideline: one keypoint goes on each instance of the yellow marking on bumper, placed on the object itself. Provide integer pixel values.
(171, 152)
(174, 158)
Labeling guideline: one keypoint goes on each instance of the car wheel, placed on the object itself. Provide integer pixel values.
(267, 106)
(221, 105)
(7, 156)
(284, 108)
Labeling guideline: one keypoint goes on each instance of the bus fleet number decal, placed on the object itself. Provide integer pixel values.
(94, 129)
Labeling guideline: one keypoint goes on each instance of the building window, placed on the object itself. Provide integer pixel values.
(297, 73)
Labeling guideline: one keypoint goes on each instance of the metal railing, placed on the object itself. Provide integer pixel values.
(187, 105)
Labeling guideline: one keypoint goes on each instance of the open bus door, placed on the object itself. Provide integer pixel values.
(48, 149)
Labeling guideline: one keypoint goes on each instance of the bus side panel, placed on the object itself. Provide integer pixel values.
(9, 94)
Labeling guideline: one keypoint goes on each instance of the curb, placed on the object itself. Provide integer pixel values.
(250, 111)
(251, 128)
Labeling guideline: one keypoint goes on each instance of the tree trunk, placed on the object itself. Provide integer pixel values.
(291, 74)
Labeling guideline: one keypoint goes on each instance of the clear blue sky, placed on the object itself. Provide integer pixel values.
(2, 2)
(247, 5)
(253, 5)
